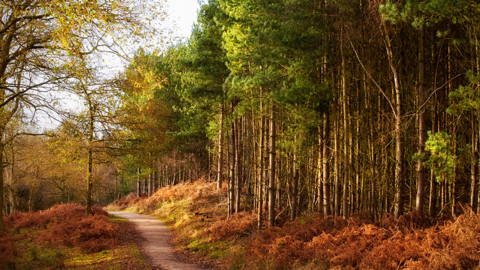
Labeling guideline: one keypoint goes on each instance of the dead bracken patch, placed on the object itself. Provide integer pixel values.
(193, 190)
(410, 242)
(239, 224)
(67, 225)
(7, 251)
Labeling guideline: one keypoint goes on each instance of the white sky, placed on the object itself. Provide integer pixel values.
(184, 14)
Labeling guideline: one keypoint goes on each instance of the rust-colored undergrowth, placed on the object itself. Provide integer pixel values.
(413, 241)
(7, 251)
(196, 190)
(67, 225)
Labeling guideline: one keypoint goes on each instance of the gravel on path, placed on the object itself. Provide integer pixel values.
(156, 244)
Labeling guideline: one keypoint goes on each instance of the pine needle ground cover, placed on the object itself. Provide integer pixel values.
(196, 214)
(63, 238)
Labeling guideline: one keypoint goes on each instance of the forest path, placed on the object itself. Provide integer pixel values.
(156, 241)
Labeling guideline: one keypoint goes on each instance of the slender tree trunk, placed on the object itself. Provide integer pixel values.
(150, 185)
(231, 188)
(238, 181)
(261, 170)
(293, 212)
(265, 160)
(477, 141)
(474, 171)
(155, 179)
(2, 223)
(345, 129)
(432, 203)
(477, 162)
(89, 183)
(88, 209)
(271, 187)
(336, 161)
(422, 136)
(398, 130)
(326, 164)
(248, 168)
(138, 183)
(321, 141)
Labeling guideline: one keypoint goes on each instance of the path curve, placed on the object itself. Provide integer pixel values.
(156, 237)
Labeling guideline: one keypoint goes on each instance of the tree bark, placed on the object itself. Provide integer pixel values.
(238, 182)
(398, 129)
(261, 170)
(139, 192)
(2, 223)
(422, 135)
(271, 186)
(293, 211)
(336, 161)
(88, 207)
(326, 165)
(477, 162)
(345, 129)
(150, 185)
(231, 188)
(220, 153)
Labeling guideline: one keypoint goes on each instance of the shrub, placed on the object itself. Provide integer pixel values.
(69, 226)
(239, 224)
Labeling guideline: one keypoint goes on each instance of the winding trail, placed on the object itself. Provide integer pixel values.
(155, 245)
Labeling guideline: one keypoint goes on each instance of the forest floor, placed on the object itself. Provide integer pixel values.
(196, 214)
(63, 238)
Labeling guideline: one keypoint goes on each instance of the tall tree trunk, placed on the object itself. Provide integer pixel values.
(345, 129)
(474, 171)
(271, 186)
(321, 141)
(155, 178)
(88, 209)
(326, 164)
(398, 129)
(433, 183)
(248, 168)
(422, 135)
(238, 182)
(231, 188)
(139, 191)
(2, 223)
(261, 170)
(293, 211)
(336, 161)
(357, 154)
(477, 163)
(150, 184)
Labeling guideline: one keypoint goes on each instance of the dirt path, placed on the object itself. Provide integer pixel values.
(156, 244)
